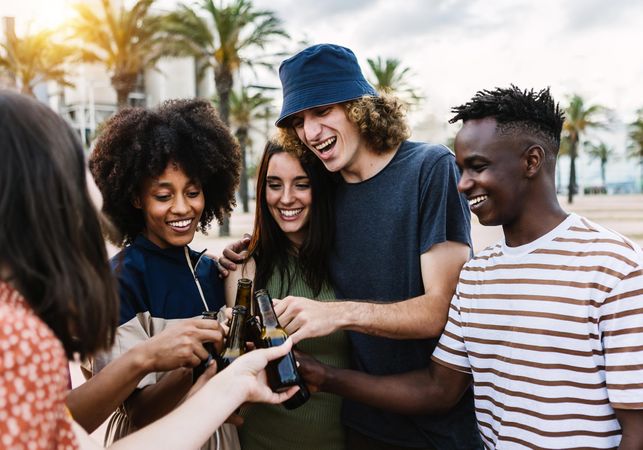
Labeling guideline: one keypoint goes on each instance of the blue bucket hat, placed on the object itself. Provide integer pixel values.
(323, 74)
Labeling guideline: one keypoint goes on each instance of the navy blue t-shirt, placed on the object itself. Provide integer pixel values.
(383, 225)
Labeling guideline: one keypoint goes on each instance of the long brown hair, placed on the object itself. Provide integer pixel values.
(269, 245)
(50, 236)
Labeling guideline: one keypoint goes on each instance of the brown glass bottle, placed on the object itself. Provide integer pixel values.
(244, 298)
(299, 398)
(244, 294)
(236, 343)
(209, 346)
(282, 373)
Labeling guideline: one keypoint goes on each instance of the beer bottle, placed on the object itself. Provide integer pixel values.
(236, 343)
(209, 346)
(299, 398)
(244, 298)
(282, 373)
(244, 294)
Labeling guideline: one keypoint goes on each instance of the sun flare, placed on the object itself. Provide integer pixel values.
(51, 14)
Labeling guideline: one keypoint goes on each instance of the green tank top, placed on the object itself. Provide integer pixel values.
(317, 423)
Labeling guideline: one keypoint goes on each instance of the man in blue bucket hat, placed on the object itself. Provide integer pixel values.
(402, 236)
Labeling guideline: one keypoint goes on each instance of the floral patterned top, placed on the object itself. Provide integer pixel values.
(34, 380)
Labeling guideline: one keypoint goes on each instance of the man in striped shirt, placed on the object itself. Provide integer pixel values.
(548, 323)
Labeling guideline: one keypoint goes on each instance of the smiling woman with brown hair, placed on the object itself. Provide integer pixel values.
(289, 252)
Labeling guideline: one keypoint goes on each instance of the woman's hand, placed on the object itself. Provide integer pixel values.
(181, 345)
(248, 372)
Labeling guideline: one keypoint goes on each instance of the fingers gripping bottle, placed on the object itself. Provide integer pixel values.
(282, 373)
(209, 346)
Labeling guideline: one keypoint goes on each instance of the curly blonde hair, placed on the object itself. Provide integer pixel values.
(380, 120)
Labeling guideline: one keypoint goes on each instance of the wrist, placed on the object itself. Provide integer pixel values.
(234, 387)
(145, 360)
(346, 314)
(329, 379)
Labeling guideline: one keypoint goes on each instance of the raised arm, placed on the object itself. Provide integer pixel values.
(433, 390)
(177, 346)
(419, 317)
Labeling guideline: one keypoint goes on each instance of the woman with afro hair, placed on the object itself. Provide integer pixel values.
(163, 174)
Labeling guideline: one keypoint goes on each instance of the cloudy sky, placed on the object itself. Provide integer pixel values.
(456, 47)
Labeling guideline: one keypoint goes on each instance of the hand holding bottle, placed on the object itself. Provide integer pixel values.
(181, 345)
(312, 371)
(247, 373)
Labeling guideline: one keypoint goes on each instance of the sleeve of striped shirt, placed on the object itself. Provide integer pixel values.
(621, 326)
(451, 351)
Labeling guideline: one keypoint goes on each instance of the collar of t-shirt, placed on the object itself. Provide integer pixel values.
(525, 249)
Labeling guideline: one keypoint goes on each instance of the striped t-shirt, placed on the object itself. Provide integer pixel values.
(552, 332)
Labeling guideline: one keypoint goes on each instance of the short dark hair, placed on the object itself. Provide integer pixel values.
(50, 236)
(381, 121)
(270, 247)
(516, 110)
(137, 144)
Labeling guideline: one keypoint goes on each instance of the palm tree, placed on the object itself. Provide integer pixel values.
(580, 118)
(125, 40)
(35, 58)
(223, 40)
(244, 110)
(236, 28)
(635, 147)
(602, 152)
(563, 150)
(389, 76)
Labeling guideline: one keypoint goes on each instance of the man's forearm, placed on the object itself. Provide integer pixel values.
(416, 318)
(410, 393)
(92, 402)
(419, 317)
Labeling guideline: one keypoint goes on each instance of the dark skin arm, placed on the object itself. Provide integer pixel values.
(177, 346)
(631, 421)
(433, 390)
(152, 402)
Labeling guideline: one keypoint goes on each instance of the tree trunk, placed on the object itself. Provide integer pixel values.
(572, 171)
(603, 164)
(242, 137)
(123, 84)
(223, 84)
